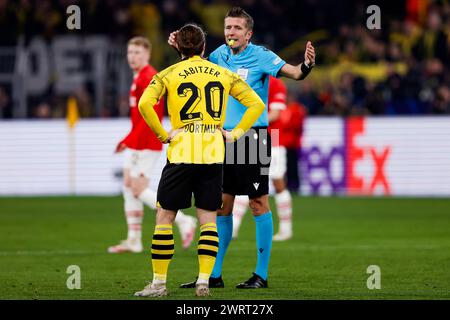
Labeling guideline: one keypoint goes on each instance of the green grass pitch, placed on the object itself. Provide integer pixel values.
(335, 240)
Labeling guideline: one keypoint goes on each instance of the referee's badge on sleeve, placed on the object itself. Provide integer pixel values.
(276, 61)
(243, 73)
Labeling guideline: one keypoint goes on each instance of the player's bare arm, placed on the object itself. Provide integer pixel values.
(120, 147)
(273, 115)
(300, 71)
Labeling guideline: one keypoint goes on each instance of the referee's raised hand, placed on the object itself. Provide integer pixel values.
(310, 54)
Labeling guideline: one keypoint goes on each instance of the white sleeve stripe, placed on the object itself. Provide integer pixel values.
(277, 106)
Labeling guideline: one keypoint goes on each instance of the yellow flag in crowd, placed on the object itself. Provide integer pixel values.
(72, 112)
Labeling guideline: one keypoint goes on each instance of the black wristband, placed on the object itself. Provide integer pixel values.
(305, 70)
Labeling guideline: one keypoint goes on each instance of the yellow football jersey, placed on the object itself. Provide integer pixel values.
(197, 94)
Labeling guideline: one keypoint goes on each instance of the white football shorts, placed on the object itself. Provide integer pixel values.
(141, 162)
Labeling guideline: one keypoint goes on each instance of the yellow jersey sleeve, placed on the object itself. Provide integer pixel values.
(150, 97)
(242, 92)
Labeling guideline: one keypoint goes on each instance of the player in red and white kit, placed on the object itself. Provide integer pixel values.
(143, 153)
(278, 167)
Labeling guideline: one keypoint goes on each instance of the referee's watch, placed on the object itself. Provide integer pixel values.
(306, 69)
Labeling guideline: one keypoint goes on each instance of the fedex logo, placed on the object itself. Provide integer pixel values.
(336, 167)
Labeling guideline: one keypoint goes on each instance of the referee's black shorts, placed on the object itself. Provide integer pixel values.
(179, 181)
(247, 163)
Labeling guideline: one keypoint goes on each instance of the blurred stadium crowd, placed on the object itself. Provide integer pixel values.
(403, 68)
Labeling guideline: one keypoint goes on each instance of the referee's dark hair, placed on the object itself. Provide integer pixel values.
(190, 40)
(238, 12)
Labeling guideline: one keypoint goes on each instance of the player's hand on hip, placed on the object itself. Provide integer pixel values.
(310, 54)
(227, 135)
(120, 147)
(172, 134)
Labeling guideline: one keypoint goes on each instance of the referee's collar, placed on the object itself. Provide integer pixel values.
(247, 48)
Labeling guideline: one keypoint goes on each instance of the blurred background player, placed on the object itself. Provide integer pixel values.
(195, 129)
(278, 165)
(143, 153)
(292, 123)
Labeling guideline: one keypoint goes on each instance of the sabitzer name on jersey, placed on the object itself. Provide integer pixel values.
(198, 69)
